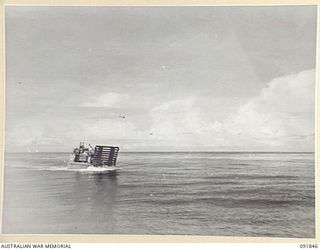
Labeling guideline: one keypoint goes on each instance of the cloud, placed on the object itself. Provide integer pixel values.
(285, 107)
(111, 99)
(175, 118)
(281, 117)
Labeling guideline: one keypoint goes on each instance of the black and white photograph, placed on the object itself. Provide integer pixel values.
(160, 120)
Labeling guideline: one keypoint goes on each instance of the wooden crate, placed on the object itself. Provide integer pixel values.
(105, 155)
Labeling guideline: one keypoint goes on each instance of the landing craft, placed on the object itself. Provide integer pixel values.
(99, 157)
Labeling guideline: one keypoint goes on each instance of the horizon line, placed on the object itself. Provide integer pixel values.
(287, 152)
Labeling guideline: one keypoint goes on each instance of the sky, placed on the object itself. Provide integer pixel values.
(160, 78)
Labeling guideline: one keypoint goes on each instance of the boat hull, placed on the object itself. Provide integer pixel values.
(88, 166)
(78, 165)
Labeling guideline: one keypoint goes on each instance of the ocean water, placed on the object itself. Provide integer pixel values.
(218, 194)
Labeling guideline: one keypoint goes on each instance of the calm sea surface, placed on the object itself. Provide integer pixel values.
(220, 194)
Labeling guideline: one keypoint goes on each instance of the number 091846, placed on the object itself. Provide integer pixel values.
(308, 246)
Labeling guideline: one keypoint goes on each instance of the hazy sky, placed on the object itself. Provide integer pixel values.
(161, 78)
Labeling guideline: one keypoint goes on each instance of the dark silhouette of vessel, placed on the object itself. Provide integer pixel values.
(98, 157)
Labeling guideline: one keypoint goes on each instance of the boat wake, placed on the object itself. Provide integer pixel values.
(89, 169)
(95, 169)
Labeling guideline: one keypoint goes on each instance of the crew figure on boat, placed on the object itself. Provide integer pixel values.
(83, 154)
